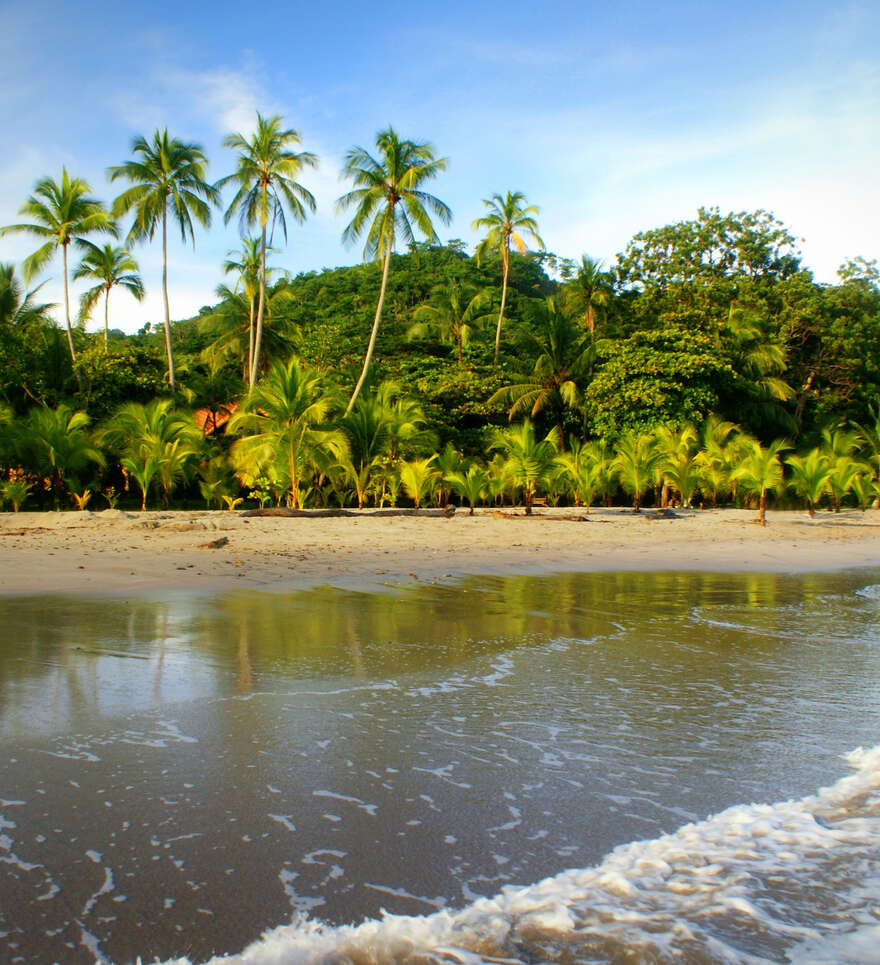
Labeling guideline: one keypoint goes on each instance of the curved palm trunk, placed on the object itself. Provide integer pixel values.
(168, 350)
(505, 260)
(67, 319)
(106, 317)
(261, 307)
(762, 517)
(372, 344)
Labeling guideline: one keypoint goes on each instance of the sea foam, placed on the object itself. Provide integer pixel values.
(796, 881)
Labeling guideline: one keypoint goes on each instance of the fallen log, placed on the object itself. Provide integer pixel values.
(568, 518)
(446, 513)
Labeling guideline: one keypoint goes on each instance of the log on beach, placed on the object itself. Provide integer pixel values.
(568, 518)
(446, 513)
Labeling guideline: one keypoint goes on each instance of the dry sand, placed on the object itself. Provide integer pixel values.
(116, 552)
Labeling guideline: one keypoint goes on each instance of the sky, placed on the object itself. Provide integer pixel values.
(612, 118)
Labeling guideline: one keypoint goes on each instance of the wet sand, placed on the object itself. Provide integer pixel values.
(119, 552)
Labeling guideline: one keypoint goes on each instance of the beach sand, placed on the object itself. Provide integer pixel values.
(115, 552)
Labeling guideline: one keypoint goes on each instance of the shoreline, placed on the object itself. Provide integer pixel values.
(118, 553)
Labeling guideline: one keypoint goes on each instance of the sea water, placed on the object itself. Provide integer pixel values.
(621, 767)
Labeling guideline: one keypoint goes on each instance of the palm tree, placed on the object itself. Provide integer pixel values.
(470, 485)
(678, 465)
(636, 459)
(563, 357)
(760, 472)
(154, 440)
(167, 178)
(246, 263)
(17, 306)
(389, 204)
(61, 213)
(266, 172)
(453, 315)
(588, 292)
(111, 266)
(418, 477)
(506, 220)
(809, 476)
(714, 458)
(285, 414)
(528, 462)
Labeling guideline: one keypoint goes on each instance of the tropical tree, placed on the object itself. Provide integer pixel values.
(109, 266)
(528, 462)
(61, 213)
(471, 484)
(167, 178)
(562, 357)
(418, 477)
(453, 315)
(265, 174)
(583, 467)
(155, 441)
(285, 416)
(389, 205)
(56, 444)
(506, 219)
(678, 466)
(760, 472)
(17, 306)
(246, 264)
(635, 460)
(809, 477)
(714, 457)
(589, 292)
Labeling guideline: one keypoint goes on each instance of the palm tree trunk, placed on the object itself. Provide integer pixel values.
(375, 331)
(505, 259)
(168, 350)
(106, 317)
(763, 514)
(250, 358)
(67, 319)
(261, 307)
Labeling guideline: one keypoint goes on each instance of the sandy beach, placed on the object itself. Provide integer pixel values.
(118, 552)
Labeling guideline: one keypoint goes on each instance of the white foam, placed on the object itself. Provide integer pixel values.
(698, 890)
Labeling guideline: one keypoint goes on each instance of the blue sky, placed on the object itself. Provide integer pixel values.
(612, 118)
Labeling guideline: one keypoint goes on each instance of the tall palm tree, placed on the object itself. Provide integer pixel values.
(167, 177)
(111, 266)
(246, 264)
(61, 213)
(507, 219)
(452, 314)
(588, 292)
(389, 204)
(266, 172)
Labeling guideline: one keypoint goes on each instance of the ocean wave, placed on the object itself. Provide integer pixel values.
(792, 881)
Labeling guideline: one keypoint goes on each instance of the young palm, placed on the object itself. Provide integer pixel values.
(760, 472)
(419, 477)
(678, 467)
(266, 172)
(167, 179)
(507, 219)
(528, 461)
(61, 212)
(286, 413)
(636, 460)
(390, 205)
(57, 445)
(17, 306)
(110, 266)
(471, 485)
(809, 476)
(714, 457)
(453, 314)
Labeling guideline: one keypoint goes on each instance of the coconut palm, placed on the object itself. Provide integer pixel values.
(155, 441)
(61, 212)
(506, 219)
(809, 476)
(246, 264)
(528, 462)
(17, 306)
(678, 466)
(562, 357)
(418, 477)
(636, 459)
(583, 466)
(390, 205)
(167, 178)
(453, 314)
(471, 485)
(368, 427)
(110, 266)
(56, 444)
(714, 457)
(285, 415)
(760, 472)
(589, 292)
(266, 171)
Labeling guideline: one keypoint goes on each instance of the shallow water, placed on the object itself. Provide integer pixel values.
(179, 775)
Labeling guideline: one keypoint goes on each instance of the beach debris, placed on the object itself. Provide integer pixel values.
(567, 518)
(214, 544)
(447, 512)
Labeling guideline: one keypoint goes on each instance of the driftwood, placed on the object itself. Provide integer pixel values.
(352, 513)
(569, 518)
(214, 544)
